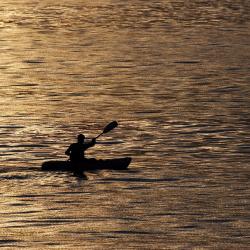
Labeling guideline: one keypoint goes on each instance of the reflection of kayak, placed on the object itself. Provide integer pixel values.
(90, 164)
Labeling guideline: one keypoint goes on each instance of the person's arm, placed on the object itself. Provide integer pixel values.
(67, 152)
(92, 143)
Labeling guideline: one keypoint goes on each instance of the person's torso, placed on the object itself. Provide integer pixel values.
(77, 151)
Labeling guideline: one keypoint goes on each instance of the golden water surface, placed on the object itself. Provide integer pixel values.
(174, 74)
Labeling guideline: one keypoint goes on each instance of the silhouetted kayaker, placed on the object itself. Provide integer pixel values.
(76, 150)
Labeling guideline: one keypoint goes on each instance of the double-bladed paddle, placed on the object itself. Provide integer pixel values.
(108, 128)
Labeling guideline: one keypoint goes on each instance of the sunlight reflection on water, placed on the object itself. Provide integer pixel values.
(175, 76)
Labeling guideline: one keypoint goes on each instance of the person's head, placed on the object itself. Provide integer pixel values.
(80, 138)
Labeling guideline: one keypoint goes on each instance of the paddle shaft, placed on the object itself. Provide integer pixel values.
(108, 128)
(98, 136)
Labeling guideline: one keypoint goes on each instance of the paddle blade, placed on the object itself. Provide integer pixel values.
(110, 126)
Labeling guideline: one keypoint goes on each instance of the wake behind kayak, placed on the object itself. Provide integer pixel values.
(90, 164)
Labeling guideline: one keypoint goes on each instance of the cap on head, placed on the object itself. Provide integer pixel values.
(80, 137)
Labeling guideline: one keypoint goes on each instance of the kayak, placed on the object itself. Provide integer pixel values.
(89, 164)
